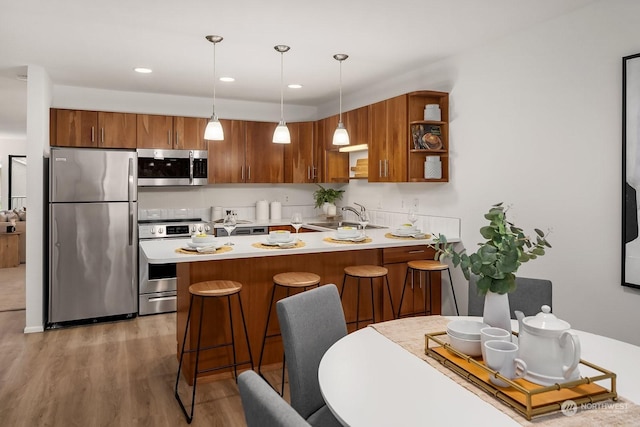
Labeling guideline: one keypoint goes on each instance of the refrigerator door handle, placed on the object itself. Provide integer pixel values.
(130, 200)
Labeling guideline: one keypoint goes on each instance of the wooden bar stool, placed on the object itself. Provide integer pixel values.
(290, 280)
(204, 290)
(366, 272)
(427, 267)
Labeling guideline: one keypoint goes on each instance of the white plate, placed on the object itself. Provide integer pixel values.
(204, 245)
(270, 242)
(350, 239)
(406, 233)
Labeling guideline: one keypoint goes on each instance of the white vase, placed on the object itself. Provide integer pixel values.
(496, 310)
(325, 207)
(331, 210)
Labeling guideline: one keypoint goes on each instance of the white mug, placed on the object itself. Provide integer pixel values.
(492, 334)
(501, 357)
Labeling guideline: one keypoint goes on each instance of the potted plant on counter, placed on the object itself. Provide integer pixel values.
(495, 262)
(326, 197)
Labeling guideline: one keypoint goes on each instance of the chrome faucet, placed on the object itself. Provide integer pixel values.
(354, 210)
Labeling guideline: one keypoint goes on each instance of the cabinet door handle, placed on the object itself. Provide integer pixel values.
(242, 173)
(102, 135)
(177, 140)
(93, 134)
(315, 173)
(380, 168)
(417, 251)
(248, 173)
(308, 173)
(169, 138)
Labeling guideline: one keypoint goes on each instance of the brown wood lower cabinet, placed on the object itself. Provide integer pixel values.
(256, 276)
(395, 260)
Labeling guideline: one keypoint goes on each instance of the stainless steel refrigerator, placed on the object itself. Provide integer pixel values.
(93, 242)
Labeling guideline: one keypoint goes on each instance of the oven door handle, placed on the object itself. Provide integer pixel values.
(191, 167)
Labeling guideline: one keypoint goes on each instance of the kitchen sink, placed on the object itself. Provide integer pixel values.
(335, 224)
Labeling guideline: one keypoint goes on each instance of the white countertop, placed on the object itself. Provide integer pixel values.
(164, 251)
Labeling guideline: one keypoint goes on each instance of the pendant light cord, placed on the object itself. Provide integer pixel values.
(282, 87)
(214, 79)
(340, 119)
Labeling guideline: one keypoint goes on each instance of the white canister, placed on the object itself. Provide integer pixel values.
(216, 213)
(276, 210)
(432, 113)
(262, 210)
(433, 167)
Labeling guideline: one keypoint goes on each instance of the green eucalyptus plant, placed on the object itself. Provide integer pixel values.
(322, 195)
(499, 257)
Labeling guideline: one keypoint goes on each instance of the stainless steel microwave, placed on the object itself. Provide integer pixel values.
(157, 168)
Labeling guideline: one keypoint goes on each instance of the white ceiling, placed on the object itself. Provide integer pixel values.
(97, 44)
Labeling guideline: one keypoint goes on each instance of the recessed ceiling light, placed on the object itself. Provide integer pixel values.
(227, 79)
(142, 70)
(294, 86)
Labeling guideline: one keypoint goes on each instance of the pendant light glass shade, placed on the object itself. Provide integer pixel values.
(214, 131)
(281, 135)
(340, 136)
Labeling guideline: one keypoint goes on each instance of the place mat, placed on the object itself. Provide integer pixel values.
(220, 250)
(299, 244)
(346, 242)
(391, 236)
(409, 333)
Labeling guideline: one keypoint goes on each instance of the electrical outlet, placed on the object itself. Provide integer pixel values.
(286, 198)
(416, 203)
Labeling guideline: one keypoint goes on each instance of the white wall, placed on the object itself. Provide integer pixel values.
(13, 146)
(38, 103)
(536, 122)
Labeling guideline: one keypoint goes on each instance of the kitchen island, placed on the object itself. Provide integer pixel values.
(255, 267)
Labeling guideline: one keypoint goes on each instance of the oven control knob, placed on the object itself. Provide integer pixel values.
(199, 228)
(153, 230)
(159, 230)
(207, 228)
(193, 228)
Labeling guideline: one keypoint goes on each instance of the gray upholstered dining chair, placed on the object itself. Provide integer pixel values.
(310, 323)
(263, 406)
(529, 296)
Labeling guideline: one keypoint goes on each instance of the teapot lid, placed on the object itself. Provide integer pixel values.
(545, 320)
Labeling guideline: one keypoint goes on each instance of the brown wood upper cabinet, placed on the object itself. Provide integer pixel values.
(335, 165)
(388, 140)
(301, 159)
(169, 132)
(92, 129)
(246, 154)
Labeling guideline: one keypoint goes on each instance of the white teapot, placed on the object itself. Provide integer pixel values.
(548, 347)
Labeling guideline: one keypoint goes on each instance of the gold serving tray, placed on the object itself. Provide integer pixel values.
(527, 398)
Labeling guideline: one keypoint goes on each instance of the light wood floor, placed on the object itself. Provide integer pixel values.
(108, 374)
(12, 283)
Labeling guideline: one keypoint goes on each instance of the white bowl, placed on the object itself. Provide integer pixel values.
(346, 232)
(465, 329)
(407, 227)
(279, 236)
(469, 347)
(203, 238)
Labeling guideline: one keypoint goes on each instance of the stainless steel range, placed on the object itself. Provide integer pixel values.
(158, 282)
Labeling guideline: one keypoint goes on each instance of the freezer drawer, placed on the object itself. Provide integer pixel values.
(93, 259)
(159, 302)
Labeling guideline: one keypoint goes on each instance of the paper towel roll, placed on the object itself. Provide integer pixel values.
(276, 210)
(262, 210)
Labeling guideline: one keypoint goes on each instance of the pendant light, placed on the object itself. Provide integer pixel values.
(281, 135)
(214, 131)
(340, 136)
